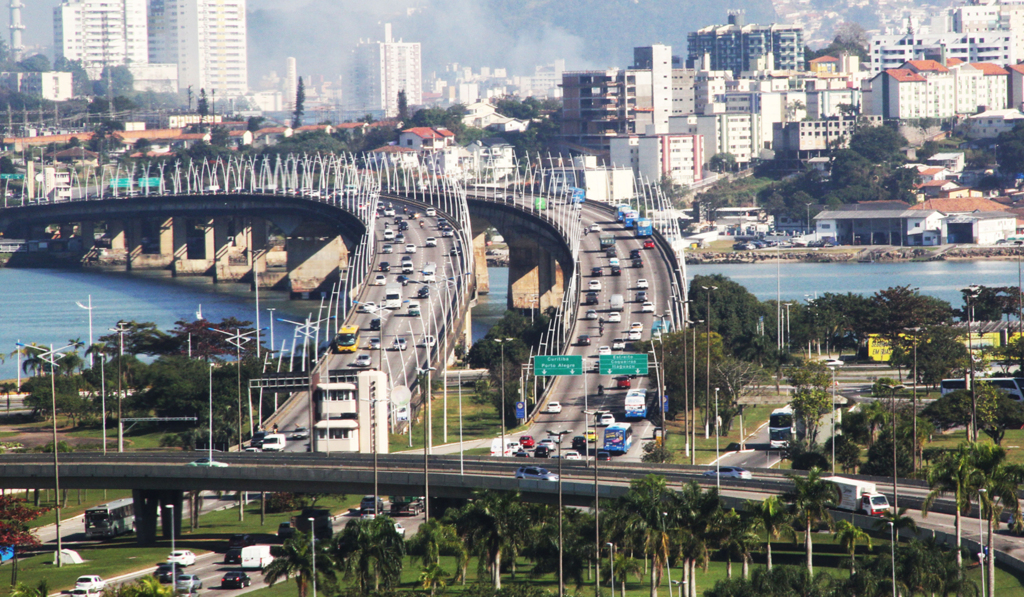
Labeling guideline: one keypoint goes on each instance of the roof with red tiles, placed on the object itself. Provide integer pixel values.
(905, 75)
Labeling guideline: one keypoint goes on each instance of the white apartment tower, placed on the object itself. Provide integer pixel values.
(101, 33)
(207, 39)
(381, 70)
(17, 47)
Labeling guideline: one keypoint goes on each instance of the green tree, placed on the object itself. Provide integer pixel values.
(494, 524)
(403, 106)
(36, 63)
(878, 144)
(773, 518)
(953, 473)
(370, 552)
(999, 479)
(80, 84)
(625, 567)
(811, 498)
(849, 535)
(651, 511)
(120, 79)
(295, 558)
(300, 104)
(722, 162)
(15, 516)
(436, 538)
(1010, 150)
(203, 105)
(810, 399)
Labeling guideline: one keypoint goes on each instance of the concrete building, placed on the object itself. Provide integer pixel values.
(805, 139)
(206, 39)
(52, 86)
(679, 157)
(891, 51)
(161, 78)
(490, 159)
(739, 47)
(426, 138)
(881, 223)
(380, 70)
(738, 134)
(918, 89)
(989, 124)
(350, 415)
(101, 33)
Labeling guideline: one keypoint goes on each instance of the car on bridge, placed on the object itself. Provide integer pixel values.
(423, 292)
(526, 441)
(362, 360)
(572, 455)
(430, 242)
(591, 298)
(594, 285)
(380, 279)
(603, 350)
(622, 382)
(730, 472)
(579, 444)
(400, 238)
(583, 340)
(554, 408)
(634, 253)
(641, 296)
(542, 452)
(642, 284)
(389, 211)
(618, 344)
(537, 473)
(368, 307)
(449, 233)
(403, 280)
(182, 557)
(387, 249)
(597, 271)
(399, 343)
(616, 270)
(206, 462)
(634, 335)
(410, 248)
(648, 244)
(431, 212)
(647, 307)
(374, 343)
(590, 314)
(614, 317)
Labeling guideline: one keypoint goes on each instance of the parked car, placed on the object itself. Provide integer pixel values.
(90, 583)
(182, 557)
(732, 472)
(533, 472)
(188, 583)
(235, 580)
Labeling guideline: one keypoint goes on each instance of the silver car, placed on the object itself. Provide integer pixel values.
(535, 472)
(188, 583)
(730, 472)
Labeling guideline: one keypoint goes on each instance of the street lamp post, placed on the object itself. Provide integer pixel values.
(981, 539)
(312, 548)
(707, 340)
(174, 565)
(913, 457)
(121, 329)
(502, 342)
(611, 566)
(834, 419)
(892, 543)
(88, 308)
(210, 419)
(970, 294)
(561, 577)
(718, 458)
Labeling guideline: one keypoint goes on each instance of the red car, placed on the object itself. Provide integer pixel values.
(526, 441)
(622, 382)
(648, 244)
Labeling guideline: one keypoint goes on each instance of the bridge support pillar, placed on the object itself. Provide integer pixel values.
(87, 232)
(115, 232)
(188, 262)
(149, 507)
(166, 233)
(314, 263)
(257, 253)
(133, 241)
(483, 281)
(230, 248)
(535, 278)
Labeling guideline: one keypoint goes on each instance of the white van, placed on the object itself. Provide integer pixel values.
(430, 272)
(274, 442)
(617, 302)
(256, 557)
(511, 447)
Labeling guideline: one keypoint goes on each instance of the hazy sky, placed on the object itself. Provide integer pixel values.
(515, 34)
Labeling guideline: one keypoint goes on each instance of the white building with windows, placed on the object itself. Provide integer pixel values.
(677, 156)
(206, 39)
(351, 413)
(101, 33)
(380, 70)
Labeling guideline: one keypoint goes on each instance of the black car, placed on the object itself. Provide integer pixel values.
(403, 225)
(541, 452)
(610, 252)
(233, 556)
(616, 270)
(591, 298)
(634, 253)
(583, 340)
(257, 439)
(235, 580)
(604, 456)
(240, 541)
(384, 266)
(579, 443)
(285, 530)
(164, 573)
(596, 271)
(404, 280)
(638, 263)
(423, 292)
(375, 324)
(522, 454)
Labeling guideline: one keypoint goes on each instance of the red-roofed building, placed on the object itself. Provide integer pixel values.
(310, 128)
(1015, 86)
(423, 137)
(951, 62)
(922, 89)
(980, 86)
(921, 66)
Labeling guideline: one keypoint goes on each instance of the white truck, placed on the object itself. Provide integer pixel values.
(861, 497)
(256, 557)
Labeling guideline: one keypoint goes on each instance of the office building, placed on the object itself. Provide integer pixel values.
(101, 33)
(739, 47)
(206, 39)
(652, 157)
(380, 70)
(351, 413)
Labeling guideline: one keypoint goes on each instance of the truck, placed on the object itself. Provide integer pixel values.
(577, 195)
(405, 505)
(617, 303)
(857, 496)
(322, 525)
(393, 296)
(540, 203)
(644, 227)
(607, 241)
(256, 557)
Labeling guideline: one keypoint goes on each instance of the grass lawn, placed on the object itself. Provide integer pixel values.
(479, 420)
(1013, 442)
(753, 417)
(113, 558)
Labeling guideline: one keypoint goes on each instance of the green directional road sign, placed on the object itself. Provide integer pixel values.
(623, 364)
(558, 365)
(121, 183)
(149, 182)
(12, 177)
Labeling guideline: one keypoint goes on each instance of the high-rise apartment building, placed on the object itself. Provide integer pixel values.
(101, 33)
(207, 39)
(380, 70)
(739, 47)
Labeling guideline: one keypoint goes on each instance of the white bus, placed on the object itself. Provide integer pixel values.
(110, 519)
(393, 296)
(781, 429)
(1013, 386)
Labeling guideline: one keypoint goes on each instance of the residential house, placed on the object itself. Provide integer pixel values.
(490, 159)
(271, 135)
(394, 156)
(426, 138)
(991, 123)
(951, 161)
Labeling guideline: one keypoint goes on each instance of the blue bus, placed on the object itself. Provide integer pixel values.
(629, 218)
(618, 438)
(644, 227)
(622, 208)
(578, 195)
(635, 404)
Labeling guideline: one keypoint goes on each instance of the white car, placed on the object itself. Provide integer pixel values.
(430, 242)
(374, 343)
(533, 472)
(614, 317)
(400, 530)
(449, 233)
(547, 443)
(637, 325)
(410, 248)
(591, 314)
(182, 558)
(571, 455)
(431, 212)
(362, 360)
(428, 341)
(834, 363)
(595, 285)
(642, 284)
(90, 583)
(604, 350)
(399, 344)
(619, 345)
(733, 472)
(606, 420)
(387, 249)
(379, 280)
(595, 228)
(634, 335)
(554, 407)
(648, 307)
(390, 212)
(368, 307)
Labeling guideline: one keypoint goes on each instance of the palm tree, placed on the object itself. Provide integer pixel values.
(698, 513)
(8, 387)
(999, 480)
(436, 538)
(651, 511)
(954, 473)
(875, 415)
(149, 586)
(626, 566)
(293, 558)
(849, 535)
(433, 577)
(899, 520)
(492, 525)
(774, 519)
(811, 498)
(370, 551)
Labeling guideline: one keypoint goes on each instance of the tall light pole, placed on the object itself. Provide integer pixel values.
(561, 577)
(88, 308)
(272, 309)
(892, 550)
(693, 396)
(426, 447)
(502, 342)
(210, 419)
(833, 368)
(312, 548)
(707, 340)
(718, 458)
(611, 566)
(981, 539)
(121, 329)
(174, 564)
(970, 294)
(50, 357)
(913, 458)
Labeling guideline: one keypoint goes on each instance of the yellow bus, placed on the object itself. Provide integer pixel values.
(347, 340)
